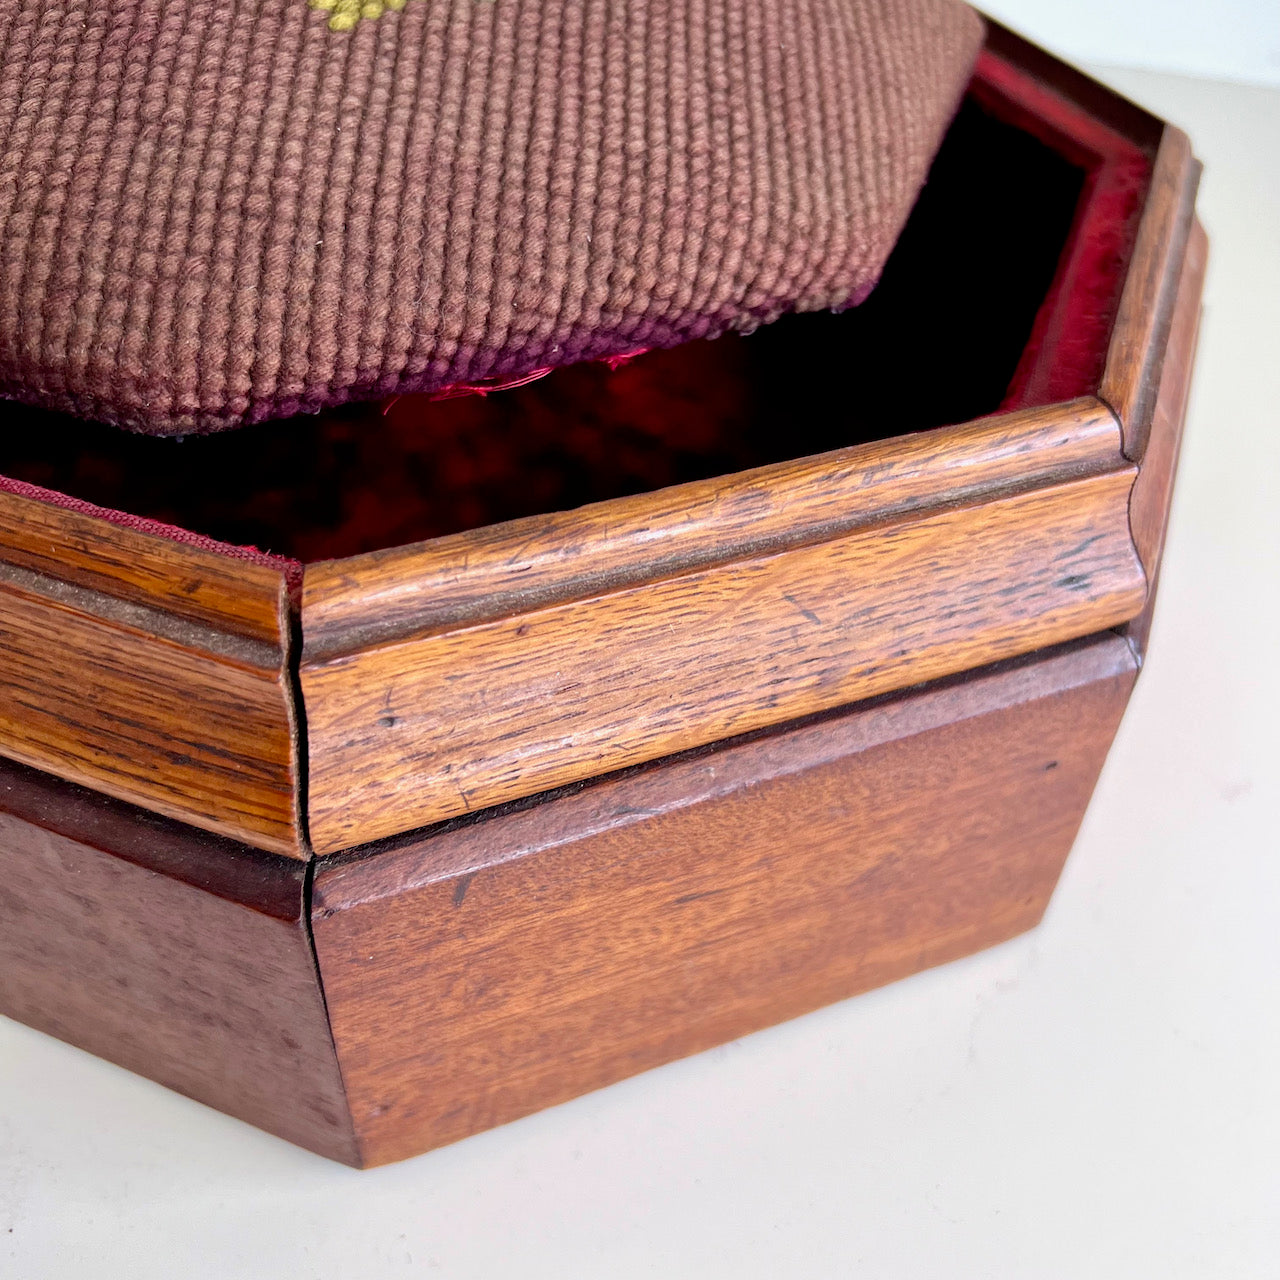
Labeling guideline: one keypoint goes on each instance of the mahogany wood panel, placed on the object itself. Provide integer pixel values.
(1132, 376)
(414, 731)
(188, 721)
(177, 954)
(481, 972)
(1153, 489)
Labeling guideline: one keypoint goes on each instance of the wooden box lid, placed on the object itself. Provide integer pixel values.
(321, 705)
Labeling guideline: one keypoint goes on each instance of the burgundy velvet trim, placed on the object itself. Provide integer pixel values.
(492, 385)
(292, 569)
(1068, 347)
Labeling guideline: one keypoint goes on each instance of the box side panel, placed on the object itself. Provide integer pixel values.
(176, 955)
(422, 730)
(484, 972)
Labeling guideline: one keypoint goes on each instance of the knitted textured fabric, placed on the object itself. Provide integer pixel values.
(219, 211)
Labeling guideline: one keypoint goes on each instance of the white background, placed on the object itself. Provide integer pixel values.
(1221, 39)
(1099, 1099)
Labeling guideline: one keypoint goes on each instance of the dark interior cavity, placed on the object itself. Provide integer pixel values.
(936, 343)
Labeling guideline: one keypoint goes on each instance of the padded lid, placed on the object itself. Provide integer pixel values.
(219, 211)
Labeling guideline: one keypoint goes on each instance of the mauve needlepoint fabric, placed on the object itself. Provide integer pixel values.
(218, 211)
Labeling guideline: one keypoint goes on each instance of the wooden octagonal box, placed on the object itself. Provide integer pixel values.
(591, 722)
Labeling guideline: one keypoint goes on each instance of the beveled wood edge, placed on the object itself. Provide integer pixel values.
(423, 730)
(1152, 498)
(464, 846)
(506, 569)
(1131, 377)
(161, 625)
(236, 612)
(188, 581)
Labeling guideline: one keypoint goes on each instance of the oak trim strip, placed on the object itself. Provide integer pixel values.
(362, 601)
(1131, 378)
(416, 731)
(191, 582)
(1152, 497)
(186, 721)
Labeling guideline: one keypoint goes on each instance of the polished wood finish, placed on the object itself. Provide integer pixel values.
(574, 555)
(177, 954)
(244, 596)
(386, 999)
(1131, 379)
(1153, 490)
(188, 721)
(927, 556)
(475, 974)
(151, 669)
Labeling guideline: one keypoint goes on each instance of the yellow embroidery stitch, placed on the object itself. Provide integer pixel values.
(344, 14)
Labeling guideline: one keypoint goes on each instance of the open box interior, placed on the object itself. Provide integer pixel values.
(1000, 294)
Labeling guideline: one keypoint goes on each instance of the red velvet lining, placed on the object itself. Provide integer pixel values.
(1068, 347)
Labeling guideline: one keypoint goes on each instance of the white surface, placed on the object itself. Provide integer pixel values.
(1230, 39)
(1098, 1099)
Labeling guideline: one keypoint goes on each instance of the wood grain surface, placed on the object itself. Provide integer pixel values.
(1153, 490)
(176, 954)
(246, 597)
(955, 550)
(506, 568)
(480, 973)
(185, 720)
(1131, 378)
(149, 668)
(472, 670)
(501, 961)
